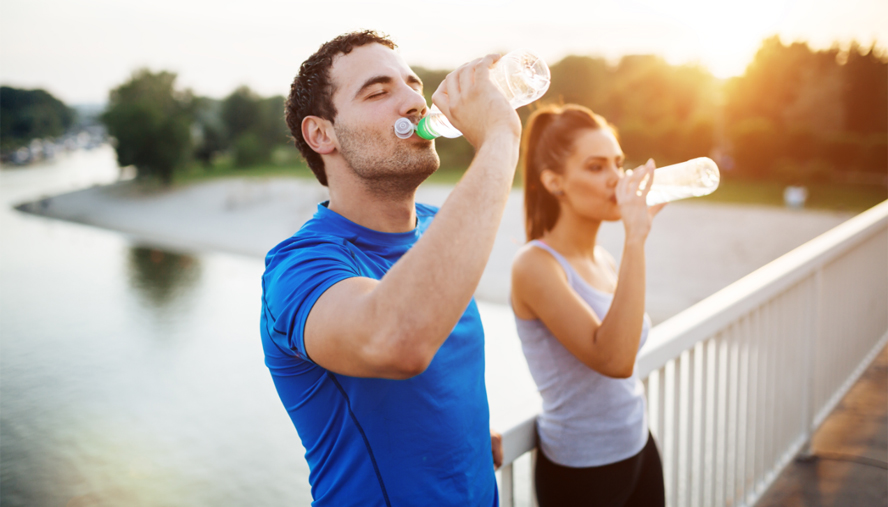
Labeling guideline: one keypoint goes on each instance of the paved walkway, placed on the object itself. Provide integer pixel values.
(849, 466)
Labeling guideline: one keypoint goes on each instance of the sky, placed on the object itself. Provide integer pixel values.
(79, 50)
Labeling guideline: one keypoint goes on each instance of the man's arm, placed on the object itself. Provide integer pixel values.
(393, 327)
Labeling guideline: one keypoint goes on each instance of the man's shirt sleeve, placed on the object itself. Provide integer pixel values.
(294, 279)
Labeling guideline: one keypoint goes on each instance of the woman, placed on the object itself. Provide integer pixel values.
(581, 322)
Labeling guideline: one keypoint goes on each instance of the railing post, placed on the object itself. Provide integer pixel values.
(815, 320)
(507, 494)
(533, 491)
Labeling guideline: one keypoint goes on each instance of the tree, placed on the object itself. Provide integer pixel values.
(151, 122)
(241, 112)
(210, 138)
(661, 111)
(272, 127)
(581, 80)
(254, 125)
(866, 90)
(810, 113)
(31, 114)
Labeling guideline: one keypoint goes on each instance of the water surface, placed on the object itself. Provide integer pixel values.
(130, 375)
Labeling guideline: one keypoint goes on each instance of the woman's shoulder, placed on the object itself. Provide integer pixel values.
(535, 273)
(532, 261)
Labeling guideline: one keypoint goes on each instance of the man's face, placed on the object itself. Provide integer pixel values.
(373, 87)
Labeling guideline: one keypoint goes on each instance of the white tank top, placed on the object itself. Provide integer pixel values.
(588, 419)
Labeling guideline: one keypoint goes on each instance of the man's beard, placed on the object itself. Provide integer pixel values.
(388, 166)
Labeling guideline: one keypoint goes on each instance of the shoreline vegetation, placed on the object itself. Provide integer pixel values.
(796, 117)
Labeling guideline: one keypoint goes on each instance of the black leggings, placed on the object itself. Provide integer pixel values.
(635, 481)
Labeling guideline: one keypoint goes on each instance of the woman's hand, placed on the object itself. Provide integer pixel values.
(631, 198)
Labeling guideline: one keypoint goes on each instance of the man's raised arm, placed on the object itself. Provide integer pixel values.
(392, 328)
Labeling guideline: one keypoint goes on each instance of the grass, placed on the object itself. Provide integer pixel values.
(824, 196)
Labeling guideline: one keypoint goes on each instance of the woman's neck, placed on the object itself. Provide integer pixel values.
(573, 236)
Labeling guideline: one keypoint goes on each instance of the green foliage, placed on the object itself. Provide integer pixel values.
(581, 80)
(253, 125)
(210, 138)
(272, 127)
(151, 122)
(661, 111)
(755, 145)
(249, 150)
(796, 116)
(809, 115)
(31, 114)
(240, 112)
(866, 90)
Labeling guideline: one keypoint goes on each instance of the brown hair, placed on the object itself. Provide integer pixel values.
(548, 142)
(311, 93)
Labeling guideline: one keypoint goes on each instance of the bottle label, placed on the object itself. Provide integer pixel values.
(423, 130)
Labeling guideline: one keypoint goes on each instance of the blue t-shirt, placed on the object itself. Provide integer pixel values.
(369, 441)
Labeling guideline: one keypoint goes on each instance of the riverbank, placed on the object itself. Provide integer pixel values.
(694, 249)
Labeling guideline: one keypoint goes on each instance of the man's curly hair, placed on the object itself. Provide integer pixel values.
(311, 93)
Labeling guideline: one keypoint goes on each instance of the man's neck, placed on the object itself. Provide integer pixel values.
(363, 206)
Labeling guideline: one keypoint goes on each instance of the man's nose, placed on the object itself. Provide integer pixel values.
(414, 103)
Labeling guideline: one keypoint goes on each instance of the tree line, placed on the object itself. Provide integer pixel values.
(802, 115)
(796, 115)
(31, 114)
(159, 128)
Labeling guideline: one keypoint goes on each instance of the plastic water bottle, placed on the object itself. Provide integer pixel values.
(694, 178)
(520, 75)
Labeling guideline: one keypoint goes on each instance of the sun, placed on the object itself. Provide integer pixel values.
(724, 35)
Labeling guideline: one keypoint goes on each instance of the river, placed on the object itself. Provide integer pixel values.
(134, 376)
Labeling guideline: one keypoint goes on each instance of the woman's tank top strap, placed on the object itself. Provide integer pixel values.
(568, 269)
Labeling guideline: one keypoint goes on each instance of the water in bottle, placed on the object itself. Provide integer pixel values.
(693, 178)
(520, 75)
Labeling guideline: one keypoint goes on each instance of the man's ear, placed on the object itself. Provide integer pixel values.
(319, 135)
(552, 182)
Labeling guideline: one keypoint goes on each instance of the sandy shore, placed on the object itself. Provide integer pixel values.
(694, 249)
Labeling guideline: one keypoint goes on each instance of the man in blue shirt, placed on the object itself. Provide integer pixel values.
(369, 327)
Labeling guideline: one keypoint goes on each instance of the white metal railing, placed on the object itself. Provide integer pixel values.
(738, 383)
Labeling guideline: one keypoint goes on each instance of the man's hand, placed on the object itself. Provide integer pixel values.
(496, 446)
(474, 105)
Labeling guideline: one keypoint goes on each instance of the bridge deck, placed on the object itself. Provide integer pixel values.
(849, 466)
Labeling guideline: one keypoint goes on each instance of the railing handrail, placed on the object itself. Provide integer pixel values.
(683, 331)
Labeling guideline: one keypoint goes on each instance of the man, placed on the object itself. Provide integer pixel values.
(369, 327)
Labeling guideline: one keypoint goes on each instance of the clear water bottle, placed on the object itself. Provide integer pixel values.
(520, 75)
(693, 178)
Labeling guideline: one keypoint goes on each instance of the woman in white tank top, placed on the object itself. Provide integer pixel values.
(581, 322)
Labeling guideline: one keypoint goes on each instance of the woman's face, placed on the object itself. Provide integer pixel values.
(591, 174)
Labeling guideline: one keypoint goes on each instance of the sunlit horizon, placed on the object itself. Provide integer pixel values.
(79, 52)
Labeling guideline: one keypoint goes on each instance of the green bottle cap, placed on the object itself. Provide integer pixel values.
(423, 130)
